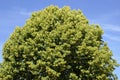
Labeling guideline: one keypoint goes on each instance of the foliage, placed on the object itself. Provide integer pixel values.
(57, 44)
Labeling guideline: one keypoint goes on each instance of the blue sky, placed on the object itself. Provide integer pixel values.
(106, 13)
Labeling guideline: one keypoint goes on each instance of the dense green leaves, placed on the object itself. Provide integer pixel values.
(57, 44)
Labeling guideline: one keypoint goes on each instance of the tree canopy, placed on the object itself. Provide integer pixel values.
(57, 44)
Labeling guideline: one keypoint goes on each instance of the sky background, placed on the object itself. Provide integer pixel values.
(106, 13)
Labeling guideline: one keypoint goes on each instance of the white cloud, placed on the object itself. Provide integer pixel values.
(106, 17)
(110, 27)
(117, 59)
(110, 15)
(111, 37)
(111, 32)
(20, 11)
(25, 13)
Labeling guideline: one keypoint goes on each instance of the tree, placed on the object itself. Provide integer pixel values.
(57, 44)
